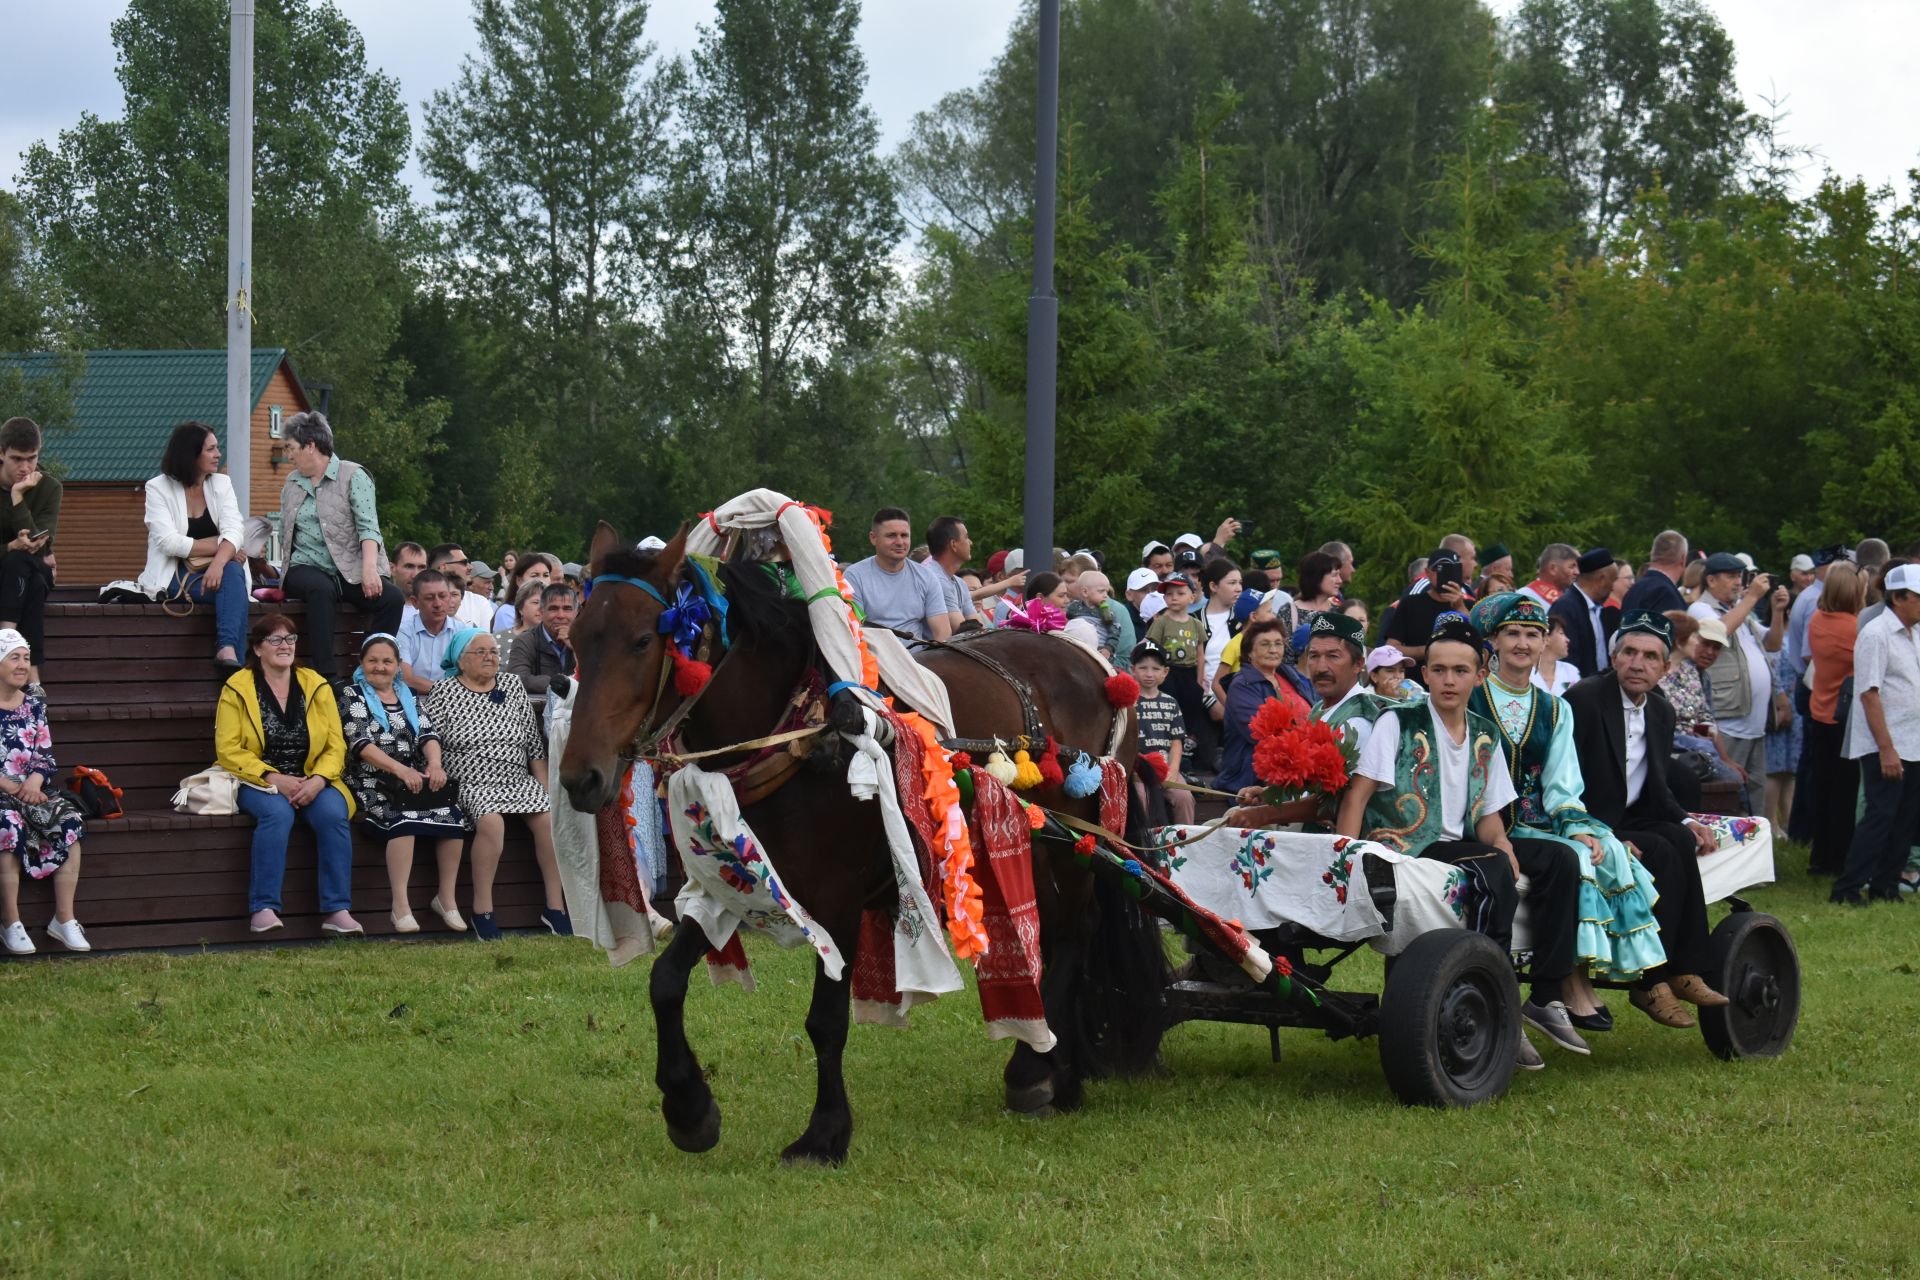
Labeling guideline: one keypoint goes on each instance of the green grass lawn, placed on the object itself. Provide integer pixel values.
(431, 1109)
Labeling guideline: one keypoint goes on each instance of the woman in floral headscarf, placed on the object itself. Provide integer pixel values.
(39, 829)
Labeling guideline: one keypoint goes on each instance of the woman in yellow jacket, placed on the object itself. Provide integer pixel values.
(278, 730)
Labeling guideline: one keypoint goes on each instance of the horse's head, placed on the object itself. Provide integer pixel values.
(620, 652)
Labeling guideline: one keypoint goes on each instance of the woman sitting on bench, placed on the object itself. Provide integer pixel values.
(194, 535)
(39, 829)
(277, 729)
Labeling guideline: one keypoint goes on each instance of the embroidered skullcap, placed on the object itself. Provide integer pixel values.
(1497, 552)
(1508, 609)
(1340, 627)
(1597, 559)
(11, 640)
(1647, 622)
(1454, 626)
(1265, 558)
(1724, 562)
(1828, 555)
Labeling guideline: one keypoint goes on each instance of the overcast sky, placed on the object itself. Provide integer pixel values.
(1846, 68)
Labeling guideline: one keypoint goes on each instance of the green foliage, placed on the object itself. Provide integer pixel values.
(32, 319)
(1627, 95)
(130, 214)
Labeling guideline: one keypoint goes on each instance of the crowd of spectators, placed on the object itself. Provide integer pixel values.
(1801, 691)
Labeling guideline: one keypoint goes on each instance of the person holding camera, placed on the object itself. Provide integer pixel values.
(1411, 626)
(1740, 681)
(32, 501)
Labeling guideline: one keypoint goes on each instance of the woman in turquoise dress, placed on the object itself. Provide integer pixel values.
(1618, 936)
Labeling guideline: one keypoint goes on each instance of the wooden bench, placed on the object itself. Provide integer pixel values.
(131, 692)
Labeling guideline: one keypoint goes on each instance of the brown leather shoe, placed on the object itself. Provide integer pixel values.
(1660, 1005)
(1689, 987)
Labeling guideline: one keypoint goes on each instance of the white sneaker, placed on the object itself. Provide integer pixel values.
(69, 935)
(14, 938)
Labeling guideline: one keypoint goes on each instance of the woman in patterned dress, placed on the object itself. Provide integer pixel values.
(39, 829)
(394, 753)
(494, 748)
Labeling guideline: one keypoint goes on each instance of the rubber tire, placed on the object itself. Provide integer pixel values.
(1753, 962)
(1449, 996)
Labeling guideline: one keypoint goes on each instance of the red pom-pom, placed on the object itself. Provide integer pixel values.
(1049, 762)
(1283, 966)
(960, 760)
(1084, 846)
(690, 675)
(1156, 761)
(1122, 690)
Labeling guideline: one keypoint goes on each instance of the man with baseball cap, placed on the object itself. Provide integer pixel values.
(1623, 735)
(1806, 602)
(1442, 590)
(1740, 681)
(1884, 736)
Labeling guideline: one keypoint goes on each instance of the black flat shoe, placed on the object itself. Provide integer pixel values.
(227, 666)
(1598, 1020)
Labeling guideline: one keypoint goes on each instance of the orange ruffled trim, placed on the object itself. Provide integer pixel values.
(965, 903)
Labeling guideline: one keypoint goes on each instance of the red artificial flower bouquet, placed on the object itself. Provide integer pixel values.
(1297, 756)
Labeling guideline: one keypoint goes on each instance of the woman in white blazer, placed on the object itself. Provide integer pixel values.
(194, 535)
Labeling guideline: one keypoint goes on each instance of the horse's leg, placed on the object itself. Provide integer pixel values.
(1043, 1083)
(831, 1126)
(692, 1116)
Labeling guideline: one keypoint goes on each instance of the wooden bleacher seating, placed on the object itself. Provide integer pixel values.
(131, 691)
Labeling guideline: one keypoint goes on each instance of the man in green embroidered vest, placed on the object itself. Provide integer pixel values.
(1428, 783)
(330, 538)
(1333, 662)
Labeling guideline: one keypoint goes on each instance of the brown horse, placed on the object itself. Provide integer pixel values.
(1103, 968)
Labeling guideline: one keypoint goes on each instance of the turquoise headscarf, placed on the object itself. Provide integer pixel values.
(450, 660)
(375, 705)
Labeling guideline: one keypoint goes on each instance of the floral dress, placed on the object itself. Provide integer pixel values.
(380, 808)
(489, 742)
(41, 834)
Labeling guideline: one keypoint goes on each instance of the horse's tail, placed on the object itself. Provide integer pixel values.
(1124, 978)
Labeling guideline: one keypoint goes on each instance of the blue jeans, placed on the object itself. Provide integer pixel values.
(229, 604)
(273, 822)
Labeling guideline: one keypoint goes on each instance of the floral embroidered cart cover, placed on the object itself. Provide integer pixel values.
(1264, 879)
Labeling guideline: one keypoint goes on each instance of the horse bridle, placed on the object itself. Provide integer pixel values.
(648, 745)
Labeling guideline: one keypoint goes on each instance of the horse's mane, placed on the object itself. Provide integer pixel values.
(628, 564)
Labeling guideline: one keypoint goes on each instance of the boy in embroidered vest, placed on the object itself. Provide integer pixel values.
(1428, 783)
(1557, 842)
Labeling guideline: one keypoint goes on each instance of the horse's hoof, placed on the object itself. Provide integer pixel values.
(1031, 1099)
(806, 1155)
(704, 1136)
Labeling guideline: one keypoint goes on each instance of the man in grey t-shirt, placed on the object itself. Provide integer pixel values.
(893, 591)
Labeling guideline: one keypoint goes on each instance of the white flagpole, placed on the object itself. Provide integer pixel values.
(238, 454)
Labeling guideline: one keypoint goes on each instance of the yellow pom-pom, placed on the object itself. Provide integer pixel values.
(1001, 769)
(1026, 772)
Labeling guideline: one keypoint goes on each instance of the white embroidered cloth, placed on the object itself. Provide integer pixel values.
(905, 678)
(614, 927)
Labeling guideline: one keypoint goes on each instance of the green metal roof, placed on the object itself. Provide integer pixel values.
(126, 403)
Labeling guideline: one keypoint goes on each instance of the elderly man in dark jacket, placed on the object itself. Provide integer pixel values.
(1623, 734)
(546, 651)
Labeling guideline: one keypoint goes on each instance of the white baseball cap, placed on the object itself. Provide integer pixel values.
(1142, 578)
(1905, 577)
(1743, 558)
(1188, 540)
(1802, 563)
(650, 543)
(1016, 561)
(1151, 547)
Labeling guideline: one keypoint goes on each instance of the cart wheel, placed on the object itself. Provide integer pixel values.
(1449, 1021)
(1754, 964)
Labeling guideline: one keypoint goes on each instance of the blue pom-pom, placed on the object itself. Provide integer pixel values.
(1083, 777)
(1133, 868)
